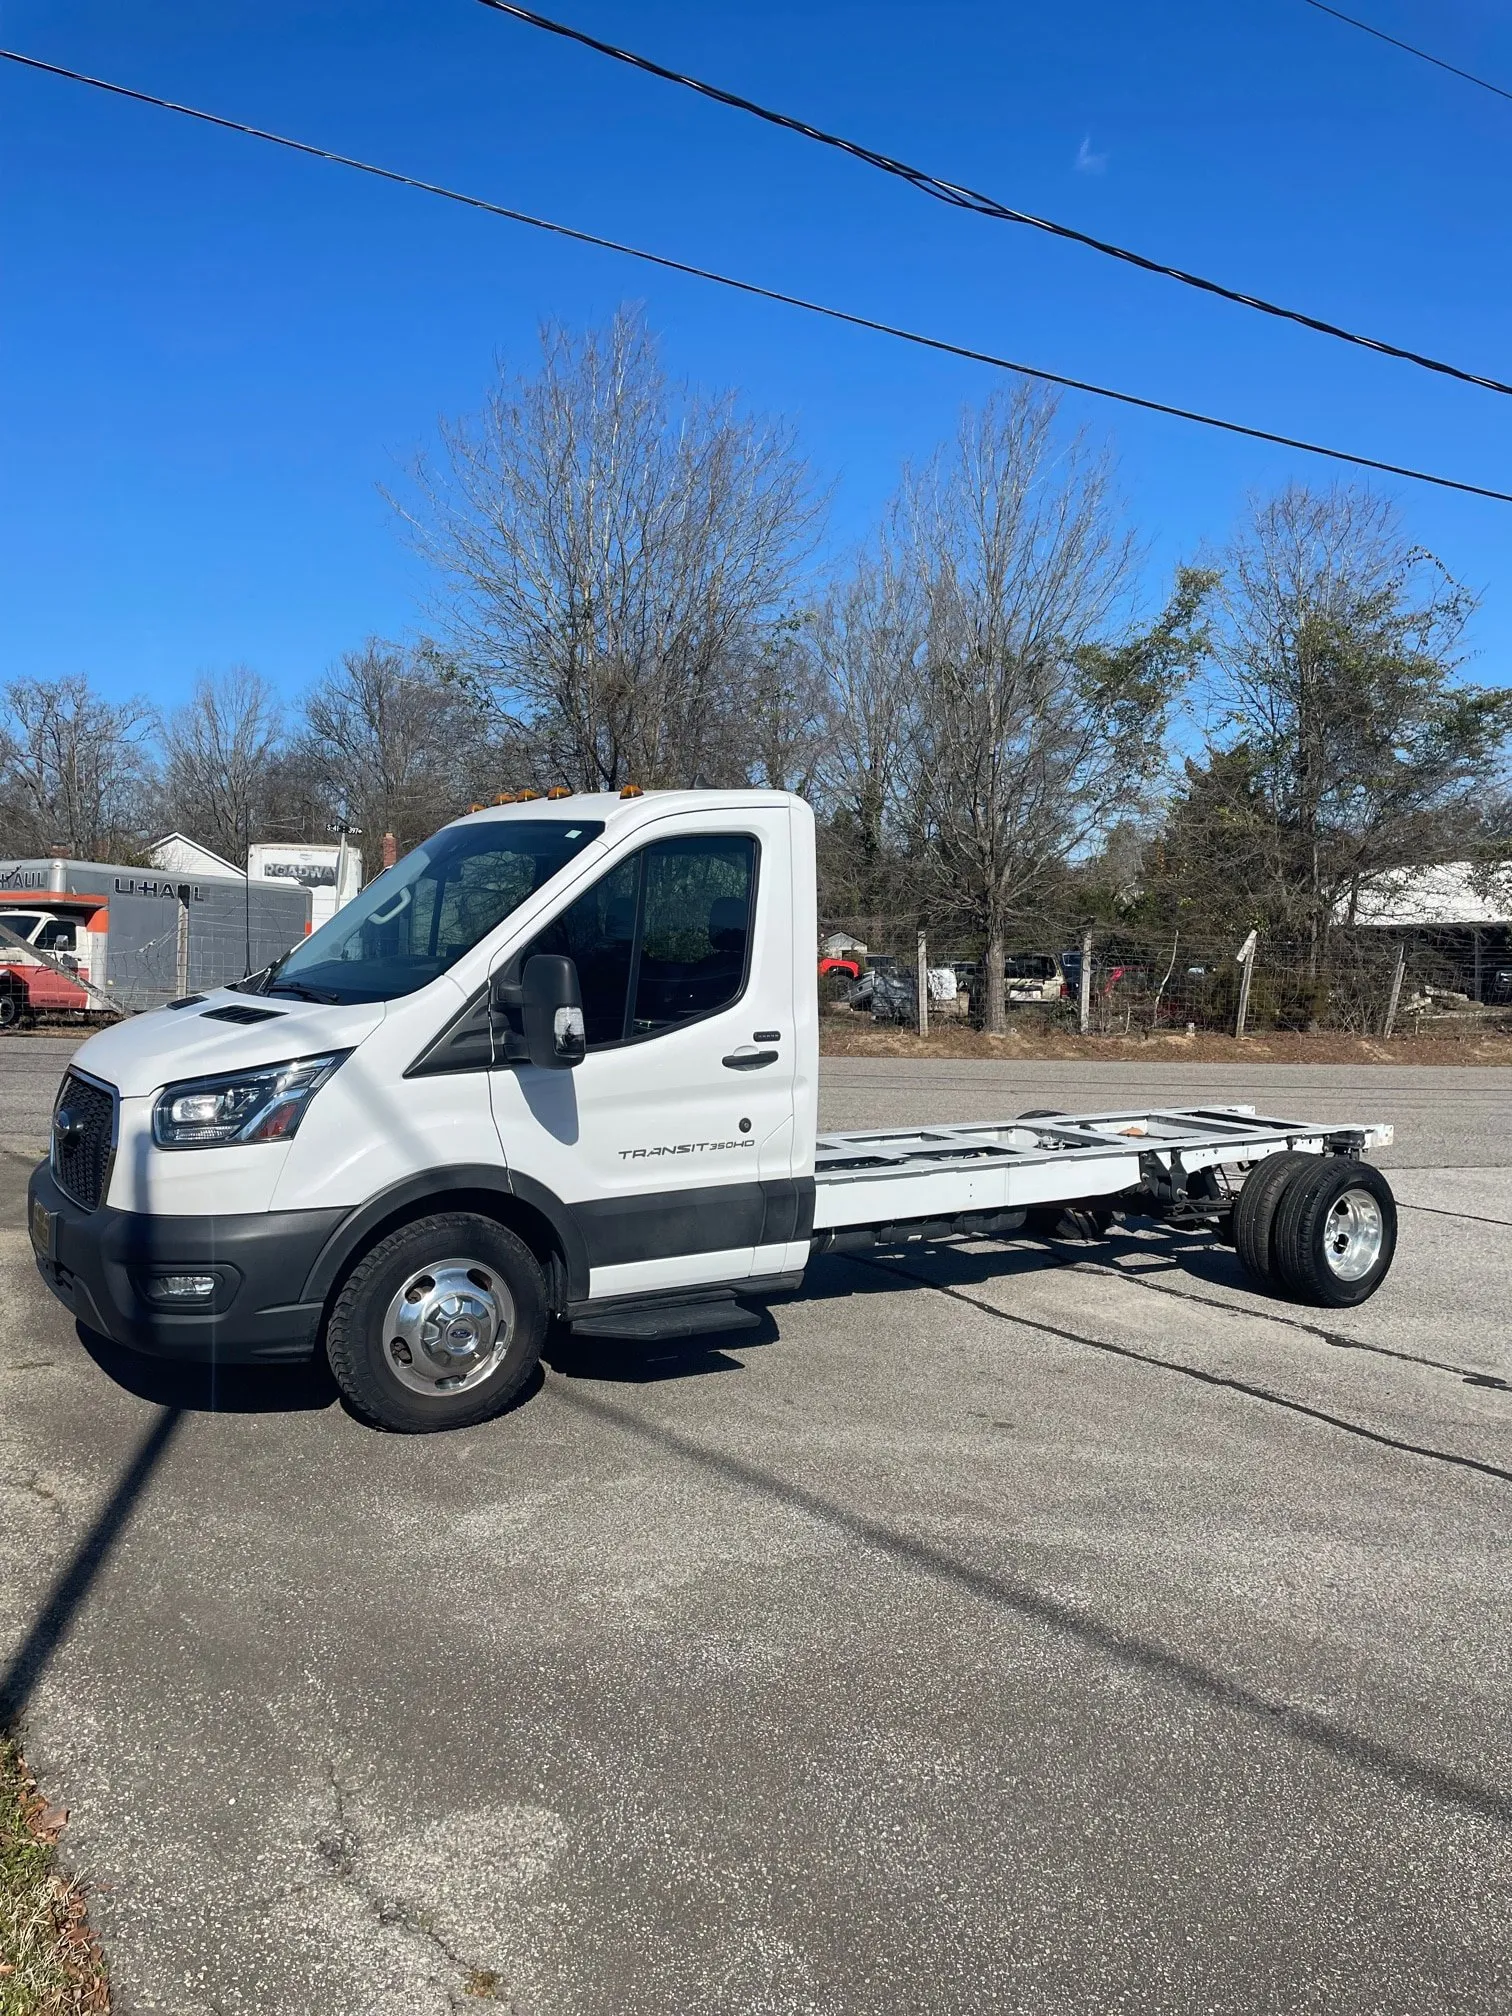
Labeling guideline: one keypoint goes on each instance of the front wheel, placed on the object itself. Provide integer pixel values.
(439, 1325)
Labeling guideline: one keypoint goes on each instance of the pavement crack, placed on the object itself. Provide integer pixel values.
(1219, 1380)
(339, 1848)
(1336, 1339)
(1439, 1211)
(35, 1488)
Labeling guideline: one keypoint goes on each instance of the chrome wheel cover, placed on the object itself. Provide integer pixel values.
(1353, 1234)
(449, 1327)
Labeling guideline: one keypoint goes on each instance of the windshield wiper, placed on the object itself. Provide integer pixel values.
(272, 972)
(305, 993)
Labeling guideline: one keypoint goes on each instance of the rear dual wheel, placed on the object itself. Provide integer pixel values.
(1320, 1227)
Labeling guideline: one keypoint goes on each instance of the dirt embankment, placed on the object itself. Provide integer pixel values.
(841, 1036)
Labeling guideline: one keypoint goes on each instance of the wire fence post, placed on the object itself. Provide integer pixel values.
(1084, 1004)
(181, 971)
(1246, 958)
(923, 970)
(1396, 988)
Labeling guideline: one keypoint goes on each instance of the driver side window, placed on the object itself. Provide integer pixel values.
(661, 940)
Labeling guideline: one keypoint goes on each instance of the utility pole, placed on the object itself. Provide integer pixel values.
(247, 887)
(923, 985)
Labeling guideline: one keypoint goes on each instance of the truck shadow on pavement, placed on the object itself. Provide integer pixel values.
(633, 1362)
(213, 1389)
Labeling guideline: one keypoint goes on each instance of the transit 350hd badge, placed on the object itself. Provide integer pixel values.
(747, 1140)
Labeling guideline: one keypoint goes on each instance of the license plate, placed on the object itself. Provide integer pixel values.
(44, 1231)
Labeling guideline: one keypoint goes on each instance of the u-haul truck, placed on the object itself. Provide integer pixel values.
(98, 938)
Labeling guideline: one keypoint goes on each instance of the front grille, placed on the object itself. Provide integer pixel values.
(83, 1138)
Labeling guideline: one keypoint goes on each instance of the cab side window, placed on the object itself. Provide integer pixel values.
(662, 939)
(57, 935)
(695, 930)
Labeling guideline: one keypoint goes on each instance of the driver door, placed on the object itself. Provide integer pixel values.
(672, 1141)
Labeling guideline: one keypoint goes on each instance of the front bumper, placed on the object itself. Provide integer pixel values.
(100, 1265)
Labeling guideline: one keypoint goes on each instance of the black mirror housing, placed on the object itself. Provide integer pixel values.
(551, 1004)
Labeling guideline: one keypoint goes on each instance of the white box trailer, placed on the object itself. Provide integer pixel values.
(332, 874)
(561, 1062)
(136, 936)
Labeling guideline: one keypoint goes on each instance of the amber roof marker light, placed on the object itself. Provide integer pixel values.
(559, 791)
(631, 791)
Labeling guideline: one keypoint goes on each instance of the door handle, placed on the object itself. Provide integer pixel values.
(749, 1060)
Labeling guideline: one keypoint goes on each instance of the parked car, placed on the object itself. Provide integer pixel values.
(894, 996)
(1033, 979)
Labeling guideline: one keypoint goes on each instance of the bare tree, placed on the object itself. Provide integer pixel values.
(75, 772)
(780, 708)
(615, 547)
(870, 643)
(1043, 711)
(396, 745)
(1345, 744)
(220, 751)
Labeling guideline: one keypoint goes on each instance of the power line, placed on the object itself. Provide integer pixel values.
(751, 287)
(960, 197)
(1380, 34)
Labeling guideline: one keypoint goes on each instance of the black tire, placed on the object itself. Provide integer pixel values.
(359, 1348)
(1254, 1214)
(1335, 1232)
(10, 1008)
(1086, 1224)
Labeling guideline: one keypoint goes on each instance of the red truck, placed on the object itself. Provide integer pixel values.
(72, 931)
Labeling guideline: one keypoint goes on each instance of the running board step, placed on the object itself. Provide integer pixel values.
(682, 1319)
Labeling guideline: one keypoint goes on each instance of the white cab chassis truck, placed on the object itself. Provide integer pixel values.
(561, 1063)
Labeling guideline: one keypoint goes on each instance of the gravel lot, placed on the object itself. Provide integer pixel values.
(1005, 1628)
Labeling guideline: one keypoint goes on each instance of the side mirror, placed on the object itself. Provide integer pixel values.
(552, 1008)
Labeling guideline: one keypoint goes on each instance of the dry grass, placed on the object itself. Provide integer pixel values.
(49, 1962)
(857, 1036)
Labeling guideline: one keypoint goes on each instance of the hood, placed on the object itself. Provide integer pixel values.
(167, 1044)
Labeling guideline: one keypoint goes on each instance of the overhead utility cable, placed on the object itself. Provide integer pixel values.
(962, 198)
(1412, 50)
(751, 287)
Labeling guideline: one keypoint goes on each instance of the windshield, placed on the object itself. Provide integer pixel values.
(22, 922)
(421, 915)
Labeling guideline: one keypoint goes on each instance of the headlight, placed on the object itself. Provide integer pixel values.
(265, 1105)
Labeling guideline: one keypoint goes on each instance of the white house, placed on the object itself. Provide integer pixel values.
(177, 854)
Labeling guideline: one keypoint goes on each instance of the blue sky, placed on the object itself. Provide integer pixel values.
(212, 354)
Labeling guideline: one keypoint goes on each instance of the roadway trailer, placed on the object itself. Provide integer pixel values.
(134, 937)
(560, 1063)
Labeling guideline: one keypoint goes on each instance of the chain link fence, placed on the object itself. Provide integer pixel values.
(1363, 982)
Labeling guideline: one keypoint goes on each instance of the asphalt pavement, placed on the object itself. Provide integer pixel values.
(1022, 1628)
